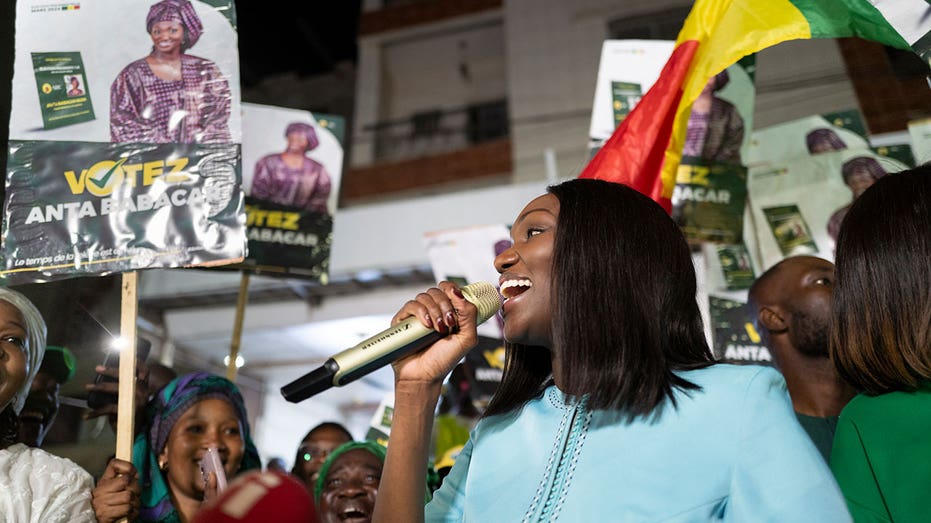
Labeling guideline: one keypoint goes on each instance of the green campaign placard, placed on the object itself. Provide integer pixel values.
(624, 97)
(901, 152)
(735, 337)
(708, 200)
(62, 88)
(735, 266)
(790, 230)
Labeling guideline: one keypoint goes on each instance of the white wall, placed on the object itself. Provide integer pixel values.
(418, 77)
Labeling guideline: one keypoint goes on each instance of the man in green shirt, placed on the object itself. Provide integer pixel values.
(792, 305)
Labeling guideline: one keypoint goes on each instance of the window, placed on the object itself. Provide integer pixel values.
(426, 123)
(662, 25)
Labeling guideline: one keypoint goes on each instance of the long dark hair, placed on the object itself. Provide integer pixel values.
(625, 314)
(881, 340)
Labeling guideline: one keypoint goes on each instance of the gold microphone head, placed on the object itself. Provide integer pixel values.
(485, 297)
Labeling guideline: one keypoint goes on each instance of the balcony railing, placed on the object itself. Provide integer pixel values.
(429, 133)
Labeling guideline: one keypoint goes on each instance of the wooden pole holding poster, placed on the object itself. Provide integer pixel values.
(126, 406)
(237, 326)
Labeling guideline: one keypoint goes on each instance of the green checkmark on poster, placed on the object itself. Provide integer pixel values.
(102, 182)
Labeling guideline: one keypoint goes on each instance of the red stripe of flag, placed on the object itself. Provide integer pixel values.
(634, 153)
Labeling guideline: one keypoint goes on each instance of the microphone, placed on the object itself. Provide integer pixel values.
(385, 347)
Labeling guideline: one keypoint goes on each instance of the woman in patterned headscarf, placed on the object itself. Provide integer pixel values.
(191, 414)
(291, 178)
(170, 96)
(34, 485)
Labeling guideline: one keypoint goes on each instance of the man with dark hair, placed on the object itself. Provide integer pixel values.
(792, 306)
(42, 403)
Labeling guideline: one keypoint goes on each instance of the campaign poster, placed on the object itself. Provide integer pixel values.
(124, 139)
(900, 152)
(486, 368)
(143, 84)
(293, 163)
(467, 255)
(734, 335)
(798, 205)
(728, 267)
(711, 183)
(75, 208)
(809, 136)
(626, 71)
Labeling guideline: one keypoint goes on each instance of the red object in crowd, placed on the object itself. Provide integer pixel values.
(261, 497)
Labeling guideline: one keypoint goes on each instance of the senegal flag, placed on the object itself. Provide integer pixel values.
(645, 150)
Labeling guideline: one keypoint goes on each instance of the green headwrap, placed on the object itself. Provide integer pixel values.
(370, 446)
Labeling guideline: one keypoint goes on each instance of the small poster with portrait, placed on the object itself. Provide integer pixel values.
(734, 263)
(797, 205)
(62, 87)
(293, 163)
(790, 230)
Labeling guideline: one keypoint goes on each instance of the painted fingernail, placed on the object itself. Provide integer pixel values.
(451, 319)
(429, 321)
(458, 293)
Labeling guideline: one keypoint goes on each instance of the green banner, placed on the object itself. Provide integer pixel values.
(75, 208)
(735, 337)
(287, 240)
(708, 200)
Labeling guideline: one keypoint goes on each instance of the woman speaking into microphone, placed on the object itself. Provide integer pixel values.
(611, 406)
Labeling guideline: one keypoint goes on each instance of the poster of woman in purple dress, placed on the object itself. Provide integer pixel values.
(290, 177)
(167, 72)
(171, 96)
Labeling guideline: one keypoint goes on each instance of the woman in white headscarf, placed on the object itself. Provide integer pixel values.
(35, 486)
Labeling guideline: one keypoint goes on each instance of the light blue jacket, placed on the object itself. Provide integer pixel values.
(732, 451)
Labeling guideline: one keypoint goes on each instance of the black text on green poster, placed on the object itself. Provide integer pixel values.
(64, 97)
